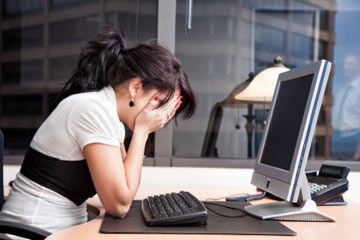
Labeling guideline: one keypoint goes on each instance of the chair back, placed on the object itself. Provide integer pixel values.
(1, 169)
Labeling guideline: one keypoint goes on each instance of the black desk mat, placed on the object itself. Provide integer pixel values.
(133, 223)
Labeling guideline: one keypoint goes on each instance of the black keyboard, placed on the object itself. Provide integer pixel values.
(173, 209)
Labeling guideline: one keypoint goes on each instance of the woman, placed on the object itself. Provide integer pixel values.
(78, 151)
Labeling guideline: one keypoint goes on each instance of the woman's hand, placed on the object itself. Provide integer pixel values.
(152, 118)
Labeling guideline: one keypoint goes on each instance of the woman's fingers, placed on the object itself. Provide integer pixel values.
(175, 109)
(172, 111)
(165, 113)
(153, 104)
(178, 103)
(170, 104)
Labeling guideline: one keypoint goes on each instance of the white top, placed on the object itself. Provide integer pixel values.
(79, 120)
(346, 111)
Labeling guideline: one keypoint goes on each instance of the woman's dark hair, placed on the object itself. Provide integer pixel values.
(106, 61)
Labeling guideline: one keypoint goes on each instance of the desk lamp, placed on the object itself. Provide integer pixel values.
(257, 89)
(260, 91)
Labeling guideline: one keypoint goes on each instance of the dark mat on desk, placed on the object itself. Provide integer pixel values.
(133, 223)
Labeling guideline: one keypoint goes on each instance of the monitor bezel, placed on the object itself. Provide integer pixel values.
(320, 71)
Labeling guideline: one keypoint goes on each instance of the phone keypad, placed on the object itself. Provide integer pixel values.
(314, 187)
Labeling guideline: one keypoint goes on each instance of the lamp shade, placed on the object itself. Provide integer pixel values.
(230, 100)
(261, 88)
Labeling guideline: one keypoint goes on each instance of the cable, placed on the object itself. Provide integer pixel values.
(223, 197)
(240, 197)
(246, 198)
(223, 215)
(243, 197)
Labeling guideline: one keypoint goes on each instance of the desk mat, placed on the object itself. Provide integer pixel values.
(247, 225)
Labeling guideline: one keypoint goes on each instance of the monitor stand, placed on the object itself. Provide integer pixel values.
(305, 211)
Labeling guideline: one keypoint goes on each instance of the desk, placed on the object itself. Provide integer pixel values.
(205, 183)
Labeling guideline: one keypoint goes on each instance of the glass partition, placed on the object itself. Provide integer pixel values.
(219, 44)
(229, 39)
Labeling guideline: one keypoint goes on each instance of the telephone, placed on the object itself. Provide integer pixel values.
(327, 187)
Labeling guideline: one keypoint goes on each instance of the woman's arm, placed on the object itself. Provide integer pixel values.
(123, 150)
(117, 179)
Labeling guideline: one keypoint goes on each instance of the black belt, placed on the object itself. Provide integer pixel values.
(70, 179)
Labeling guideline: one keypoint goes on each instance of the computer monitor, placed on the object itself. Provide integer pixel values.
(284, 149)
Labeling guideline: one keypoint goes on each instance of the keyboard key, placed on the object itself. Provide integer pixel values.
(179, 200)
(168, 208)
(174, 206)
(153, 210)
(188, 199)
(160, 207)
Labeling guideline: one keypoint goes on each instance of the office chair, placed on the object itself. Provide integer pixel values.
(14, 228)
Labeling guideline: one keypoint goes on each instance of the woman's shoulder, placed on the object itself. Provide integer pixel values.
(93, 118)
(89, 101)
(81, 97)
(90, 106)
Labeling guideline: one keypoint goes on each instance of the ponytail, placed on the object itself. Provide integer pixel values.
(106, 61)
(96, 58)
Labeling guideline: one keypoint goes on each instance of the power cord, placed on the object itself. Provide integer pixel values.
(246, 198)
(242, 197)
(228, 207)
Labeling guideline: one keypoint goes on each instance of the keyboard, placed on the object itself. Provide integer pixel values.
(169, 209)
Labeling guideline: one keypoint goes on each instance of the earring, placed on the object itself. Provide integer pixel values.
(132, 103)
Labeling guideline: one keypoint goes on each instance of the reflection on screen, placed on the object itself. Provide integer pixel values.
(285, 122)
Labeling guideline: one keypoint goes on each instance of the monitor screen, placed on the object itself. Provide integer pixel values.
(285, 122)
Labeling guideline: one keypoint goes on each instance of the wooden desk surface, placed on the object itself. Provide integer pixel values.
(346, 226)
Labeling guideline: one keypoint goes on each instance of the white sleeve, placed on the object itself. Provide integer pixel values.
(93, 122)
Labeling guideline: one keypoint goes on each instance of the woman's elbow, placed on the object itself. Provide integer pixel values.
(117, 203)
(118, 210)
(120, 205)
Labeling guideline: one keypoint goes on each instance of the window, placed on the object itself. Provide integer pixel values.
(22, 73)
(22, 105)
(17, 138)
(61, 68)
(61, 4)
(124, 20)
(228, 39)
(138, 19)
(269, 38)
(22, 38)
(302, 46)
(14, 8)
(298, 31)
(74, 30)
